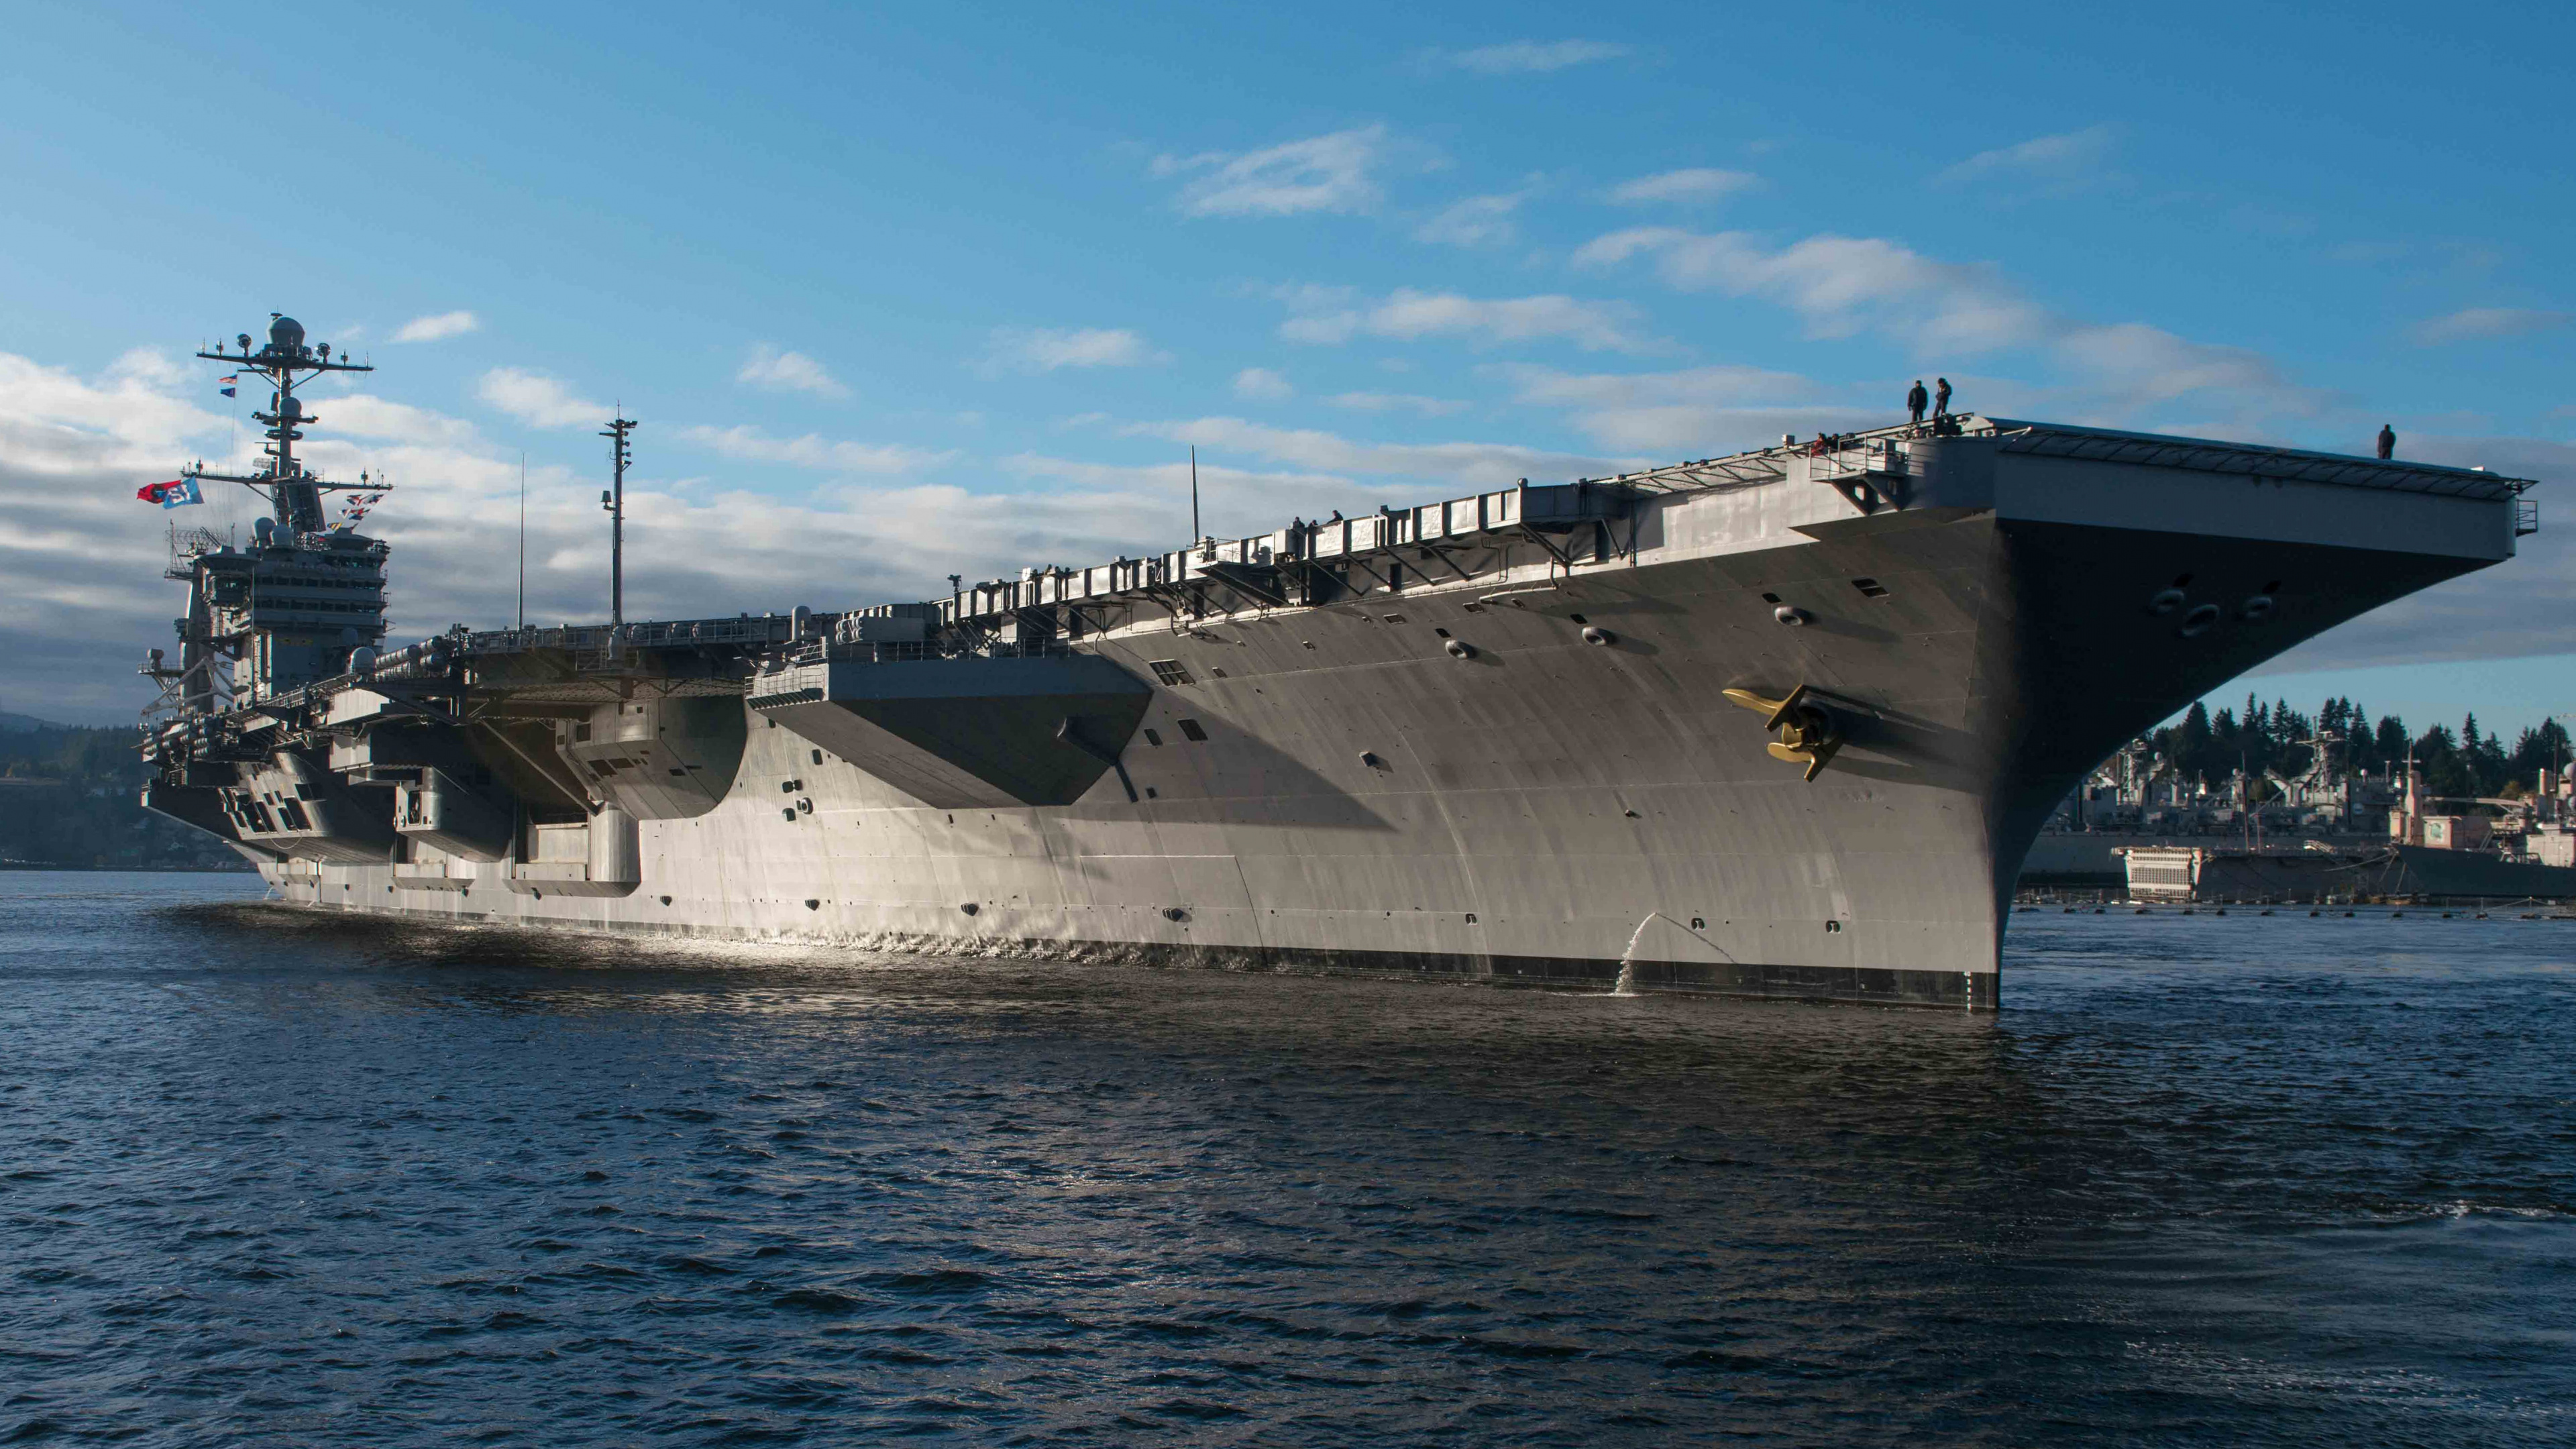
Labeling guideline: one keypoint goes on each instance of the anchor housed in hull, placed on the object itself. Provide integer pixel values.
(1809, 733)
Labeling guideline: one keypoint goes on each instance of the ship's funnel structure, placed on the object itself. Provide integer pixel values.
(974, 732)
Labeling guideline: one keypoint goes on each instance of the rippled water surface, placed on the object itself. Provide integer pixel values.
(273, 1177)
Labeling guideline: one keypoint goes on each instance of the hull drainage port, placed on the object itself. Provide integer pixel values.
(970, 908)
(1175, 913)
(812, 905)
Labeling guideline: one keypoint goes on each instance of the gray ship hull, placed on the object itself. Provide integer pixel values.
(1442, 776)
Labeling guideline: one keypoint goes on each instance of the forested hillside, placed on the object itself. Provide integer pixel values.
(67, 798)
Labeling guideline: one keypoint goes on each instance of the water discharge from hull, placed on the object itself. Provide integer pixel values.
(1626, 984)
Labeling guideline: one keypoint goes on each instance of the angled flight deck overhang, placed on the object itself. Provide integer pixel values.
(972, 733)
(2059, 474)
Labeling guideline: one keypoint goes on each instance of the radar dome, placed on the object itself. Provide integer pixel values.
(290, 407)
(286, 334)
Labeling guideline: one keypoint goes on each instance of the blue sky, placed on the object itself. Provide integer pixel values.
(906, 292)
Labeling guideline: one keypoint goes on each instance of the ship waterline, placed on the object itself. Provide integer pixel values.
(1784, 724)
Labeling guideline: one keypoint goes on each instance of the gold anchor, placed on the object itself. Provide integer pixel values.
(1807, 733)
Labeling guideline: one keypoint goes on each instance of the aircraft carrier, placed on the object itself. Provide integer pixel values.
(1781, 723)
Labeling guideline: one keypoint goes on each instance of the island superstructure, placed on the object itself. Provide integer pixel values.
(1778, 723)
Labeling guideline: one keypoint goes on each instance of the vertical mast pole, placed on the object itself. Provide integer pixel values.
(615, 503)
(1195, 535)
(522, 621)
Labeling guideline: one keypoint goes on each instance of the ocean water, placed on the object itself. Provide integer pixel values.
(276, 1178)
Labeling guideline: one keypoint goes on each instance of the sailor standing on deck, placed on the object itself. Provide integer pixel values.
(1940, 397)
(1915, 398)
(2387, 441)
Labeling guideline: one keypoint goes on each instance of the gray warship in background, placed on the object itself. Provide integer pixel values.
(1782, 723)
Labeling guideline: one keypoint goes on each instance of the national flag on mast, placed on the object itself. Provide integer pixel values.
(227, 383)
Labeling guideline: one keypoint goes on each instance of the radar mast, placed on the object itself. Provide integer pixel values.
(294, 495)
(303, 602)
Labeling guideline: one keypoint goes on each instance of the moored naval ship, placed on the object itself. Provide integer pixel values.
(1779, 723)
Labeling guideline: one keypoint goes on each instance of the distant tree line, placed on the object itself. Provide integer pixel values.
(68, 798)
(2208, 748)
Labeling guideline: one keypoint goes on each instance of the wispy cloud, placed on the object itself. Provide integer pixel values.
(1474, 222)
(1692, 184)
(438, 327)
(1045, 349)
(1408, 315)
(1328, 173)
(788, 372)
(813, 451)
(2070, 156)
(1696, 411)
(2474, 323)
(1262, 384)
(1844, 286)
(538, 400)
(1532, 57)
(1480, 464)
(1392, 402)
(360, 415)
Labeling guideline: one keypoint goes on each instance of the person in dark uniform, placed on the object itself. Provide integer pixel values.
(2387, 441)
(1915, 400)
(1941, 397)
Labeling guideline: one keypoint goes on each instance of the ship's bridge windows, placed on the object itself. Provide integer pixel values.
(1168, 671)
(1770, 598)
(1153, 739)
(1870, 588)
(1191, 729)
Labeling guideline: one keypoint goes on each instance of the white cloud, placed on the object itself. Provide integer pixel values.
(1045, 349)
(813, 451)
(1699, 183)
(788, 372)
(2482, 322)
(1233, 501)
(2067, 157)
(538, 400)
(438, 327)
(83, 559)
(1696, 412)
(1534, 57)
(1475, 221)
(1329, 173)
(1389, 402)
(1263, 384)
(1482, 465)
(1409, 316)
(360, 415)
(1843, 286)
